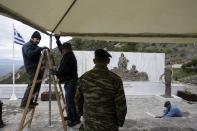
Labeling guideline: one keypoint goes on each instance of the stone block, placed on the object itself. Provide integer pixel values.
(45, 96)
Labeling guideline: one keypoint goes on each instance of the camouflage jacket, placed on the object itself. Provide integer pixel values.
(100, 98)
(168, 74)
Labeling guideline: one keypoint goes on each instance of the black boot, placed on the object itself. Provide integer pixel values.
(25, 97)
(2, 124)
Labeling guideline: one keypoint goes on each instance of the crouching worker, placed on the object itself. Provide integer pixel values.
(171, 111)
(1, 121)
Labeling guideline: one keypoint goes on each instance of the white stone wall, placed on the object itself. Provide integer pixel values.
(151, 63)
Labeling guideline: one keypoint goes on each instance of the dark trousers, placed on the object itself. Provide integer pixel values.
(31, 74)
(70, 90)
(1, 121)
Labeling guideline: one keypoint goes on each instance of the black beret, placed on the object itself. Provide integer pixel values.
(36, 34)
(100, 53)
(66, 45)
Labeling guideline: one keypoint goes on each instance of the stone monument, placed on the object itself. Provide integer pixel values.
(129, 75)
(122, 63)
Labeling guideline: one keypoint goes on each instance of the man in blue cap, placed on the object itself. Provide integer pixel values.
(100, 96)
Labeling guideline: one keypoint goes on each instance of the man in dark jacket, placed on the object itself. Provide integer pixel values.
(31, 55)
(67, 74)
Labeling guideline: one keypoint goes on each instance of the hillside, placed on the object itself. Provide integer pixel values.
(6, 66)
(175, 53)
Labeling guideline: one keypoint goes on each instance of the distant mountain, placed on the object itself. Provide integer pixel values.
(6, 66)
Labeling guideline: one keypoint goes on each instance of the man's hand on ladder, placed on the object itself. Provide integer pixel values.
(44, 47)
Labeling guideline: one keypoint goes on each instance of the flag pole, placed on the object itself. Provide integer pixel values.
(13, 96)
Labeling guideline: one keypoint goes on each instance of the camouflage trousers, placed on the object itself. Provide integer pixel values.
(168, 89)
(94, 126)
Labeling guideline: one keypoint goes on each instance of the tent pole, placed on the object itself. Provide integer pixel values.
(50, 47)
(13, 96)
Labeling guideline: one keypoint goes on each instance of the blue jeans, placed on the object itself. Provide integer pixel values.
(70, 90)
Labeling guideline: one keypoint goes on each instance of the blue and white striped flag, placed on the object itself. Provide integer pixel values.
(18, 39)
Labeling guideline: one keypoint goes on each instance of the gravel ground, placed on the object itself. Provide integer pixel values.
(141, 110)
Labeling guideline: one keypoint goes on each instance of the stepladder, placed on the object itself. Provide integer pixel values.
(46, 62)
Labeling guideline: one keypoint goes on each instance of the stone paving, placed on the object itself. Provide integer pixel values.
(141, 110)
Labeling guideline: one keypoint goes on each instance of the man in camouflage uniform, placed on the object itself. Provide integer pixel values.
(100, 97)
(168, 79)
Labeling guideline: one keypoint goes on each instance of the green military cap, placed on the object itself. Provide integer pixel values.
(100, 53)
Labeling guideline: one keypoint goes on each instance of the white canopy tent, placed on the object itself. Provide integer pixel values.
(163, 21)
(173, 21)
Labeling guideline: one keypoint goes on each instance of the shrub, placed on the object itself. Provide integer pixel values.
(192, 65)
(187, 95)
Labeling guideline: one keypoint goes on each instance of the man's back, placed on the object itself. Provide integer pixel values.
(174, 112)
(104, 99)
(67, 70)
(168, 74)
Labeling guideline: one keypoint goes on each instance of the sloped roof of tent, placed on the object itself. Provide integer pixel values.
(126, 20)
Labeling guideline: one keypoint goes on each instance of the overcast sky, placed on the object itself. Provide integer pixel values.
(6, 37)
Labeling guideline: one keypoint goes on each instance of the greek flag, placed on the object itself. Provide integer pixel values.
(18, 39)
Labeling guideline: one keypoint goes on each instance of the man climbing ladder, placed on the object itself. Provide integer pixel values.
(31, 55)
(45, 59)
